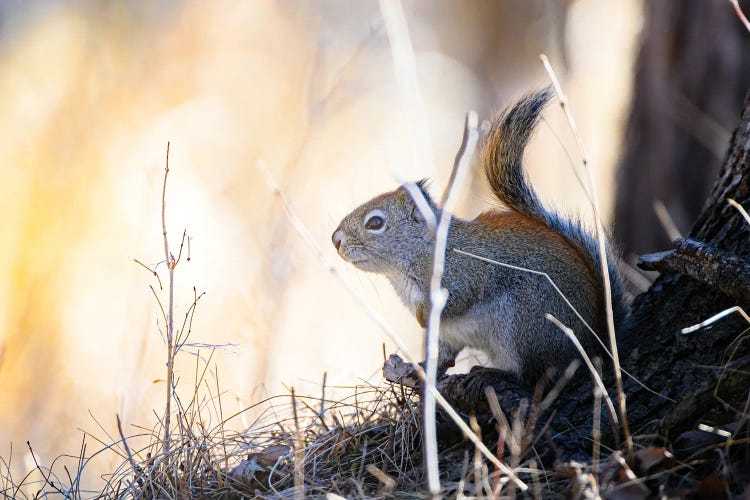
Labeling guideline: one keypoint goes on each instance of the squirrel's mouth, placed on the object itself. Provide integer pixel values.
(366, 265)
(352, 253)
(358, 258)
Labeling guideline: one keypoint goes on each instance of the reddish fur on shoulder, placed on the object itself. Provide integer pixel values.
(499, 220)
(506, 219)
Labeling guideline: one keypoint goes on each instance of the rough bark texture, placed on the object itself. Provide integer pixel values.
(692, 73)
(683, 366)
(700, 261)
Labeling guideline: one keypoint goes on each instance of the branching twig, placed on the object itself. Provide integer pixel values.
(152, 271)
(171, 263)
(187, 322)
(46, 477)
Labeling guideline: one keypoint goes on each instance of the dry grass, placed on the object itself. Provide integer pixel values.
(366, 445)
(298, 442)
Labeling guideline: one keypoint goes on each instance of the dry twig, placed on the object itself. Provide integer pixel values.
(597, 379)
(602, 252)
(666, 220)
(439, 295)
(740, 14)
(170, 315)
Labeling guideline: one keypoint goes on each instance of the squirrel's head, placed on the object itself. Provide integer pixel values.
(384, 234)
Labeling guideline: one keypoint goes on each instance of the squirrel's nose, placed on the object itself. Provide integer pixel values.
(338, 237)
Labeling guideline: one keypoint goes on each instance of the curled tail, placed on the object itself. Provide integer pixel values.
(501, 155)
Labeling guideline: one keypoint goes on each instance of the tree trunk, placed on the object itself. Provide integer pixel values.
(688, 367)
(692, 73)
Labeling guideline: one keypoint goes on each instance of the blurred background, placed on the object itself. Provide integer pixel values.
(91, 91)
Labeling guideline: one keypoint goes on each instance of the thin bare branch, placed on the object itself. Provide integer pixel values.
(597, 379)
(739, 207)
(666, 220)
(439, 295)
(152, 271)
(182, 244)
(299, 455)
(125, 445)
(602, 253)
(740, 14)
(716, 317)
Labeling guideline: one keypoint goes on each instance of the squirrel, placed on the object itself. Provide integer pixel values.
(493, 308)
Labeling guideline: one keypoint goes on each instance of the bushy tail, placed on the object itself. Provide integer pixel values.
(501, 155)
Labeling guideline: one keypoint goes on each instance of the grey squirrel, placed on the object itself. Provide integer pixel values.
(495, 309)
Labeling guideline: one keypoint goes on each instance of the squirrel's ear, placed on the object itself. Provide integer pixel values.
(416, 214)
(423, 184)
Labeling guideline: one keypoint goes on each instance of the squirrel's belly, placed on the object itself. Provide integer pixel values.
(476, 331)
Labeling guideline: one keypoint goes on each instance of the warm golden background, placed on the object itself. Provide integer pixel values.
(90, 93)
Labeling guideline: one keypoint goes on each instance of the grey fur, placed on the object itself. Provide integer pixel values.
(492, 308)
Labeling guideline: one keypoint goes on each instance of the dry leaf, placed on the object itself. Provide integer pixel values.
(270, 455)
(653, 457)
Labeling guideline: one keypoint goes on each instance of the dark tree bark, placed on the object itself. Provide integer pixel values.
(687, 368)
(692, 73)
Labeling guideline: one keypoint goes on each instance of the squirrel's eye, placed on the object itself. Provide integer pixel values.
(375, 221)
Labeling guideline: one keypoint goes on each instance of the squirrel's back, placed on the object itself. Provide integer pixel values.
(501, 156)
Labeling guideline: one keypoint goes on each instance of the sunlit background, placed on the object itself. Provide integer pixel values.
(90, 93)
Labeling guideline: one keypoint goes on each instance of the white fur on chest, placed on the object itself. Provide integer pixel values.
(477, 328)
(408, 290)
